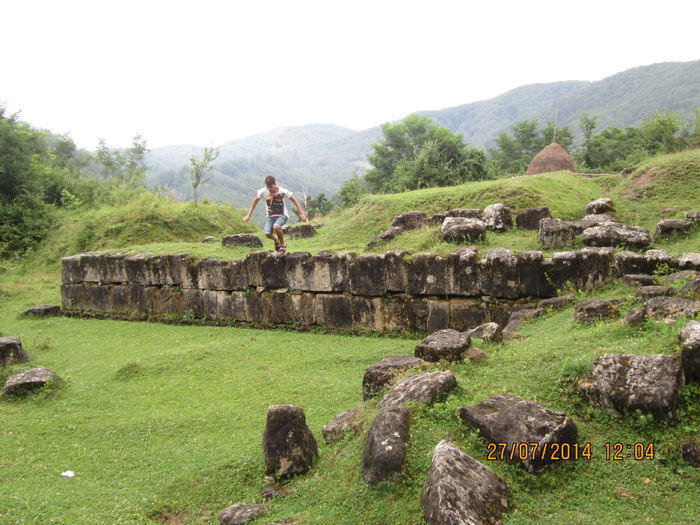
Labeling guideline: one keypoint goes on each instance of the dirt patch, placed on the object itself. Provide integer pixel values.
(641, 182)
(170, 516)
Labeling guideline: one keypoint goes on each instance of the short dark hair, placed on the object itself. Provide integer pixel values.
(270, 181)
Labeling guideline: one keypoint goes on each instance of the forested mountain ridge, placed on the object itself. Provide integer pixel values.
(319, 158)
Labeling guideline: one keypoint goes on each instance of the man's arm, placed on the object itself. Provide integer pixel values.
(252, 207)
(302, 215)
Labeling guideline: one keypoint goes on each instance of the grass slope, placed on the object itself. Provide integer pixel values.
(163, 423)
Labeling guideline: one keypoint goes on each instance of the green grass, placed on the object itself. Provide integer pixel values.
(163, 423)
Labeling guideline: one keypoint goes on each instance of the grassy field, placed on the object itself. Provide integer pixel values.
(163, 423)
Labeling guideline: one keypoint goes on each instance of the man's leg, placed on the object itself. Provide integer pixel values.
(269, 232)
(280, 235)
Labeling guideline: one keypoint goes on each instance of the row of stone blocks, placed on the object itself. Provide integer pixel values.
(501, 273)
(396, 312)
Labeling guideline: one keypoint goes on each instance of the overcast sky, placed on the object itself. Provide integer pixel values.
(205, 72)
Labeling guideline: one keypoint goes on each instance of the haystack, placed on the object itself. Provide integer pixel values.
(552, 158)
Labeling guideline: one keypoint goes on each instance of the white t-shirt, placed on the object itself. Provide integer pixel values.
(275, 202)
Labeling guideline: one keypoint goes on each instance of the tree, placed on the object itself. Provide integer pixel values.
(415, 153)
(516, 149)
(199, 167)
(126, 167)
(352, 190)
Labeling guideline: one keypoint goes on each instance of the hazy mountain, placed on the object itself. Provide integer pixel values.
(318, 158)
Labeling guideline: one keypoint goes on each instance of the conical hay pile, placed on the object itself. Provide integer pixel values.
(551, 158)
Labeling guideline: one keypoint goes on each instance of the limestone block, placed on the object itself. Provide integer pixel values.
(556, 233)
(242, 239)
(366, 275)
(240, 514)
(609, 234)
(341, 424)
(689, 261)
(529, 219)
(459, 489)
(428, 275)
(690, 351)
(595, 267)
(532, 277)
(462, 229)
(438, 315)
(277, 307)
(671, 227)
(596, 310)
(670, 309)
(497, 217)
(421, 388)
(604, 205)
(43, 310)
(380, 374)
(463, 272)
(303, 307)
(466, 314)
(11, 352)
(367, 313)
(396, 272)
(216, 304)
(444, 344)
(333, 311)
(385, 447)
(289, 446)
(405, 313)
(29, 381)
(498, 275)
(299, 266)
(506, 418)
(624, 383)
(564, 268)
(410, 220)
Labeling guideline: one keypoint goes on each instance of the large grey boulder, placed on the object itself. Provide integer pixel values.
(647, 292)
(682, 275)
(460, 490)
(43, 310)
(28, 381)
(639, 279)
(380, 374)
(670, 309)
(671, 227)
(598, 206)
(444, 344)
(692, 288)
(497, 218)
(11, 352)
(555, 233)
(462, 229)
(242, 239)
(387, 235)
(613, 234)
(529, 219)
(385, 448)
(289, 446)
(690, 351)
(344, 422)
(491, 332)
(506, 418)
(596, 310)
(240, 514)
(689, 261)
(625, 383)
(420, 388)
(410, 220)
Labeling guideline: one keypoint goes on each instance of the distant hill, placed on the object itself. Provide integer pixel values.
(318, 158)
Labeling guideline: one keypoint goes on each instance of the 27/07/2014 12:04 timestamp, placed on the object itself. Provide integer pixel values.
(567, 451)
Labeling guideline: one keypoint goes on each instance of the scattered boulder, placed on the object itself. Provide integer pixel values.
(593, 220)
(693, 216)
(471, 213)
(288, 444)
(610, 234)
(475, 355)
(342, 423)
(598, 206)
(240, 514)
(461, 229)
(669, 309)
(242, 239)
(635, 316)
(624, 383)
(208, 239)
(491, 332)
(420, 388)
(382, 373)
(555, 233)
(444, 344)
(385, 448)
(689, 261)
(385, 236)
(681, 276)
(647, 292)
(596, 310)
(671, 227)
(410, 220)
(690, 351)
(506, 418)
(497, 218)
(43, 310)
(29, 381)
(691, 288)
(529, 219)
(11, 352)
(690, 452)
(301, 231)
(556, 302)
(637, 279)
(460, 490)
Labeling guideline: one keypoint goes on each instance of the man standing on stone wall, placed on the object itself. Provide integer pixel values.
(277, 213)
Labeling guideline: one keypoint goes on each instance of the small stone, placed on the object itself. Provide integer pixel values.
(344, 422)
(690, 450)
(598, 206)
(208, 239)
(475, 355)
(635, 317)
(240, 514)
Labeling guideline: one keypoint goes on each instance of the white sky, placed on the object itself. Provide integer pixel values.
(205, 72)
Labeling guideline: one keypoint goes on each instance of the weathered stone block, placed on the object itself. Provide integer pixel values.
(671, 227)
(329, 273)
(466, 314)
(608, 234)
(366, 275)
(506, 418)
(386, 236)
(11, 352)
(301, 231)
(556, 233)
(471, 213)
(462, 229)
(410, 220)
(463, 271)
(596, 310)
(532, 277)
(427, 275)
(598, 206)
(213, 274)
(278, 307)
(633, 263)
(444, 344)
(595, 267)
(624, 383)
(240, 514)
(396, 274)
(670, 309)
(43, 310)
(460, 490)
(299, 267)
(529, 219)
(689, 261)
(498, 276)
(341, 424)
(289, 446)
(273, 270)
(385, 447)
(420, 388)
(690, 351)
(647, 292)
(303, 307)
(29, 381)
(639, 279)
(242, 239)
(405, 313)
(333, 311)
(380, 374)
(635, 317)
(563, 270)
(497, 217)
(438, 315)
(367, 313)
(216, 304)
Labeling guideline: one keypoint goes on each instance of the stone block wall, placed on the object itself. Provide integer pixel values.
(379, 292)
